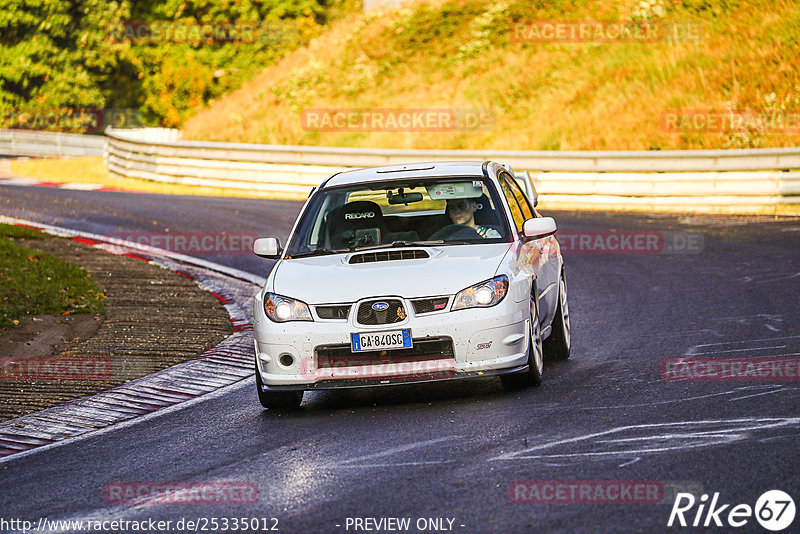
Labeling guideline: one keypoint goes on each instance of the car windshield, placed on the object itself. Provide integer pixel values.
(442, 211)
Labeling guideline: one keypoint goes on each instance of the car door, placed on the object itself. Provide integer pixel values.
(537, 256)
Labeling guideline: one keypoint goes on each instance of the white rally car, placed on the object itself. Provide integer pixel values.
(411, 273)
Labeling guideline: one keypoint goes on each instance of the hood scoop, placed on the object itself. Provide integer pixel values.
(389, 255)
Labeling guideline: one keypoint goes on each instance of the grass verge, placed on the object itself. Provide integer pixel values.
(32, 282)
(90, 170)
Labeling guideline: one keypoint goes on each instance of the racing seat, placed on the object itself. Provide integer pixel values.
(485, 215)
(356, 223)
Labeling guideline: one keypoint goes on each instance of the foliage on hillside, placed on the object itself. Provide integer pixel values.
(465, 55)
(60, 57)
(53, 54)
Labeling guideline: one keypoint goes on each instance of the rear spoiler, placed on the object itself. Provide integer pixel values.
(525, 182)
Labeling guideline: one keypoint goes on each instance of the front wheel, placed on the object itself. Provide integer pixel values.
(558, 343)
(533, 376)
(277, 400)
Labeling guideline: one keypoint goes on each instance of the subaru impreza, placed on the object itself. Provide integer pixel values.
(411, 273)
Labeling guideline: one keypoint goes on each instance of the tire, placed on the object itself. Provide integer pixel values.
(533, 376)
(558, 343)
(277, 400)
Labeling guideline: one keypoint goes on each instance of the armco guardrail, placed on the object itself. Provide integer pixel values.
(713, 178)
(39, 144)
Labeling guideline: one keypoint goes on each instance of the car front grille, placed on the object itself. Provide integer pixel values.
(424, 349)
(333, 312)
(394, 312)
(429, 305)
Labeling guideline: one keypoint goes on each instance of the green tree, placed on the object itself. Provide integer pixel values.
(55, 55)
(62, 55)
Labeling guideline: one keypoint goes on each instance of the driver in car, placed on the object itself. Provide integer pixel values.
(462, 211)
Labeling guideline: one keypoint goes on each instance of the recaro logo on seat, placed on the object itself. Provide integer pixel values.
(365, 215)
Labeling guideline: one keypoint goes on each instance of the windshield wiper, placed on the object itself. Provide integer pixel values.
(462, 242)
(421, 243)
(318, 252)
(395, 244)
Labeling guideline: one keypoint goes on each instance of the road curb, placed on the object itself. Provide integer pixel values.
(229, 362)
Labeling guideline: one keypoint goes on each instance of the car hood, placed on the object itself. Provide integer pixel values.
(331, 279)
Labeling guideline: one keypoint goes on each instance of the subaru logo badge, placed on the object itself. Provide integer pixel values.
(380, 306)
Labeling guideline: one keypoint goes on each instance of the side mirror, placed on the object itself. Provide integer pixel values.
(267, 247)
(539, 227)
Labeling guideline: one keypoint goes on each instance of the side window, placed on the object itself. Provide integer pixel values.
(516, 211)
(527, 210)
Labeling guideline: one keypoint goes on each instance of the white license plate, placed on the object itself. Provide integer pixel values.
(396, 339)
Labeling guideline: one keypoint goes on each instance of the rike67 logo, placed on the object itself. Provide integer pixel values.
(774, 510)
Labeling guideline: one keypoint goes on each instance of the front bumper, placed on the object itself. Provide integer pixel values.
(485, 342)
(368, 383)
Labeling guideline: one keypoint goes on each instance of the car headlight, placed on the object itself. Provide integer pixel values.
(482, 295)
(283, 309)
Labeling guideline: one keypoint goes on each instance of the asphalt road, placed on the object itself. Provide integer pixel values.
(454, 450)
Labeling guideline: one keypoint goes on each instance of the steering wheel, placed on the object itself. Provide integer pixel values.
(455, 232)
